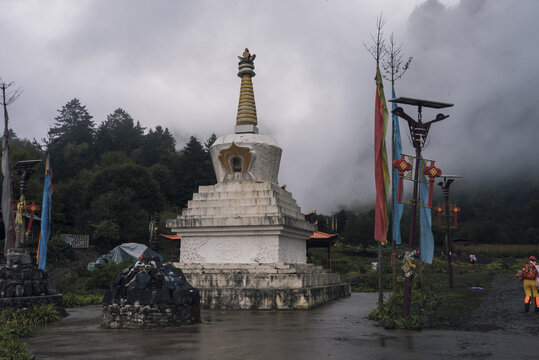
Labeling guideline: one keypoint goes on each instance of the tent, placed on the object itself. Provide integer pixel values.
(124, 253)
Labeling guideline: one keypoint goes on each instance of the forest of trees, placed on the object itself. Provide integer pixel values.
(109, 179)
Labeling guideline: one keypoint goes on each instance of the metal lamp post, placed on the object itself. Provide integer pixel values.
(154, 228)
(418, 132)
(24, 169)
(445, 185)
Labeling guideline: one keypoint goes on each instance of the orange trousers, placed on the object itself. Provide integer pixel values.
(530, 290)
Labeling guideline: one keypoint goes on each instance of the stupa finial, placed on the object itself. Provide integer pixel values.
(246, 120)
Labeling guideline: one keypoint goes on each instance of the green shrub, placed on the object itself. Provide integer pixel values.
(80, 281)
(43, 314)
(391, 315)
(75, 300)
(15, 324)
(11, 349)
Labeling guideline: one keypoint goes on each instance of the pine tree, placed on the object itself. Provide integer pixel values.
(73, 134)
(119, 133)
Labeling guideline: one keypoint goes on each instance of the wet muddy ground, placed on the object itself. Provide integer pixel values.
(339, 330)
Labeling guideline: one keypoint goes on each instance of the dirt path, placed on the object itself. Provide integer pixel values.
(503, 308)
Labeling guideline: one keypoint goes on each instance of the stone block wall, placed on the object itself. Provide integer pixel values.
(149, 316)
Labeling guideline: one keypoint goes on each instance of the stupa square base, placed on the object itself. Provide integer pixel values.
(276, 286)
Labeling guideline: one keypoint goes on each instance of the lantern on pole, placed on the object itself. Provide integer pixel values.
(454, 211)
(432, 172)
(402, 166)
(439, 210)
(445, 185)
(32, 208)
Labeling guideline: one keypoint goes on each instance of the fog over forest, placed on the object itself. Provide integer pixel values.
(173, 63)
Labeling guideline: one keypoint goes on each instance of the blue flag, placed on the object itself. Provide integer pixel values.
(397, 150)
(425, 220)
(45, 217)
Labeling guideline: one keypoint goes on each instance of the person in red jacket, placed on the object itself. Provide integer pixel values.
(529, 273)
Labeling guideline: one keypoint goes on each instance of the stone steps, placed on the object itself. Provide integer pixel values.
(232, 211)
(226, 202)
(190, 222)
(242, 198)
(248, 207)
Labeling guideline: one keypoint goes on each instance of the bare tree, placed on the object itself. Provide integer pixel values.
(7, 99)
(394, 66)
(7, 192)
(378, 49)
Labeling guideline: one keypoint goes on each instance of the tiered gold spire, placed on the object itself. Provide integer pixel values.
(246, 105)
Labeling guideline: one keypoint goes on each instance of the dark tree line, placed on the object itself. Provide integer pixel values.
(109, 179)
(500, 213)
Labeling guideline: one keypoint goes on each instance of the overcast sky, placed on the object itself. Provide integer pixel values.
(173, 63)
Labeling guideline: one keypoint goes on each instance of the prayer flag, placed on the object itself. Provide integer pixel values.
(397, 150)
(425, 220)
(45, 217)
(381, 171)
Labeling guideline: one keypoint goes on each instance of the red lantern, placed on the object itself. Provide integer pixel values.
(432, 172)
(32, 208)
(403, 166)
(440, 210)
(455, 210)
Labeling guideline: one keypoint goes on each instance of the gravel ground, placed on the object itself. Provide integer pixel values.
(502, 307)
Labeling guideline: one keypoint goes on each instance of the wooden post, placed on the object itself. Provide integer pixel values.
(394, 266)
(329, 254)
(380, 282)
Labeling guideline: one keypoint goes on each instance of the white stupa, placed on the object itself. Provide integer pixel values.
(246, 217)
(246, 234)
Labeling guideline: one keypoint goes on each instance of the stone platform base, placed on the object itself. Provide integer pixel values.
(276, 286)
(149, 316)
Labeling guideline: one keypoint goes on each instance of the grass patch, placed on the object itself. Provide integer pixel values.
(433, 304)
(500, 250)
(16, 324)
(76, 300)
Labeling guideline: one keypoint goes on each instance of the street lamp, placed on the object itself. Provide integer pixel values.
(418, 132)
(445, 185)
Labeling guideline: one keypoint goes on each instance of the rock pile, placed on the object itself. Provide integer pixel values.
(19, 278)
(150, 294)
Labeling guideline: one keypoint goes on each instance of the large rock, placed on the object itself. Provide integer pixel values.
(150, 294)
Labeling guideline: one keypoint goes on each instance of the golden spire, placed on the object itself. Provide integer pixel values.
(246, 105)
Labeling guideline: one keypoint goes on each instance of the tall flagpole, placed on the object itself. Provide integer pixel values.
(394, 69)
(7, 191)
(378, 50)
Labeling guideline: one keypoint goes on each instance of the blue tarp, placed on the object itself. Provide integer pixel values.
(124, 253)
